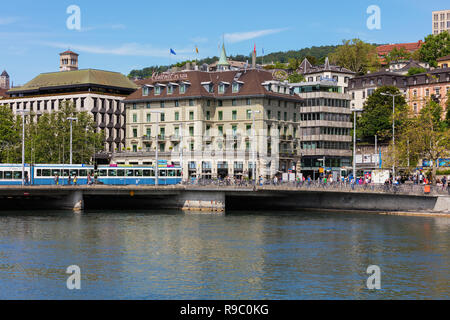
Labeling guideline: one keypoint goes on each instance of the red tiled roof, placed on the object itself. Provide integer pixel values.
(444, 58)
(252, 86)
(411, 47)
(69, 52)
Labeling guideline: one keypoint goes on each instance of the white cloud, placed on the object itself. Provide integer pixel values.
(243, 36)
(128, 49)
(8, 20)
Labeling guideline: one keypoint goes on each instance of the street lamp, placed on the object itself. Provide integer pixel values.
(157, 144)
(71, 120)
(253, 112)
(393, 128)
(23, 112)
(354, 141)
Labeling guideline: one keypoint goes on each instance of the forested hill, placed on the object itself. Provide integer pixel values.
(316, 55)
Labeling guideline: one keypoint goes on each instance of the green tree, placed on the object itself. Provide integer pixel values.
(416, 70)
(49, 137)
(435, 47)
(296, 78)
(357, 56)
(10, 137)
(397, 54)
(425, 136)
(376, 118)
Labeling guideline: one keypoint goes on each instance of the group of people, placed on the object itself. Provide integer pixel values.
(91, 179)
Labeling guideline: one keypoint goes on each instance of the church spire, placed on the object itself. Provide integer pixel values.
(223, 62)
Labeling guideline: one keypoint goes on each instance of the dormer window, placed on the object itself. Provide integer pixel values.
(209, 87)
(157, 90)
(169, 90)
(145, 91)
(221, 88)
(237, 86)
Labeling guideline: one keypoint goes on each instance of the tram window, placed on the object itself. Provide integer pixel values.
(74, 172)
(1, 175)
(178, 173)
(152, 173)
(130, 173)
(138, 173)
(45, 172)
(163, 173)
(103, 173)
(112, 173)
(56, 172)
(147, 173)
(83, 173)
(171, 173)
(120, 173)
(66, 172)
(8, 175)
(39, 173)
(17, 175)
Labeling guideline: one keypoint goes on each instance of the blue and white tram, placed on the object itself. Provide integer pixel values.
(11, 174)
(52, 174)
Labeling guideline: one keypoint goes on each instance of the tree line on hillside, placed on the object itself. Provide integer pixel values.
(355, 55)
(47, 140)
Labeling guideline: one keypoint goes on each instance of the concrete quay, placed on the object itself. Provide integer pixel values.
(213, 198)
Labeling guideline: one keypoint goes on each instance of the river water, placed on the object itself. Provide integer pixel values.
(242, 255)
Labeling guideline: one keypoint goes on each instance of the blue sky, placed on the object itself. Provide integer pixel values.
(124, 35)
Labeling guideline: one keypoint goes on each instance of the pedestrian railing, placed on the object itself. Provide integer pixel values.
(406, 189)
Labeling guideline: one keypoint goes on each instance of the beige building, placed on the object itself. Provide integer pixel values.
(96, 91)
(204, 122)
(441, 21)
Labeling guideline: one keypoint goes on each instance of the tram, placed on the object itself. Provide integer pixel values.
(52, 174)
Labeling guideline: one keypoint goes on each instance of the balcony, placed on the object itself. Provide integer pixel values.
(147, 138)
(207, 138)
(175, 138)
(161, 137)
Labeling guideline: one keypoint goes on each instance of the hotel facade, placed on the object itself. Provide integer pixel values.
(218, 124)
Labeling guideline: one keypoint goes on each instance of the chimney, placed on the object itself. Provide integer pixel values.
(254, 58)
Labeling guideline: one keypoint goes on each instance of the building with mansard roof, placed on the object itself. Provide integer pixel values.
(96, 91)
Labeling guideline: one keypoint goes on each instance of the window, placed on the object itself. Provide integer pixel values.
(235, 87)
(427, 92)
(177, 116)
(135, 133)
(208, 115)
(191, 115)
(249, 130)
(134, 147)
(220, 129)
(234, 102)
(234, 115)
(285, 116)
(249, 114)
(149, 132)
(149, 117)
(249, 102)
(269, 114)
(163, 117)
(191, 131)
(279, 115)
(220, 103)
(145, 91)
(183, 88)
(162, 104)
(177, 103)
(191, 103)
(295, 117)
(169, 90)
(134, 117)
(220, 115)
(148, 105)
(134, 105)
(157, 90)
(221, 88)
(162, 147)
(234, 130)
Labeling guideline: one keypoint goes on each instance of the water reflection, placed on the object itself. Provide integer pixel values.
(172, 255)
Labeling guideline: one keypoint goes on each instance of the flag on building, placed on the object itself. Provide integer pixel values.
(172, 52)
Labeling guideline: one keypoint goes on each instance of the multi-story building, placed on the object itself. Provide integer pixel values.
(361, 87)
(326, 71)
(205, 120)
(441, 21)
(96, 91)
(444, 62)
(434, 85)
(4, 80)
(325, 131)
(384, 50)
